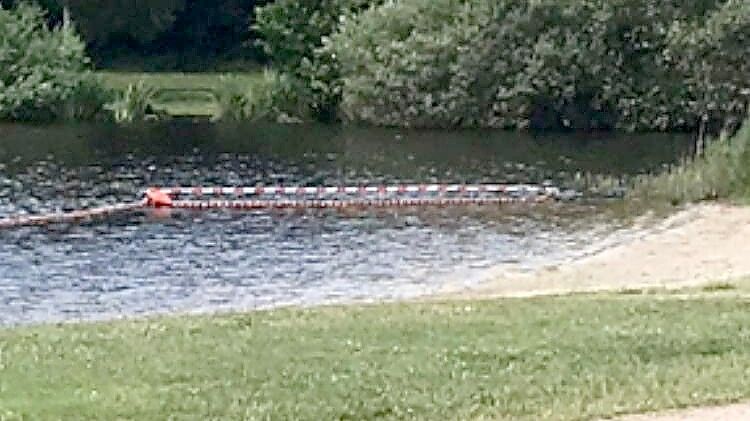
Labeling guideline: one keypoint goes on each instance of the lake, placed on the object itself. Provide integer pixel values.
(150, 262)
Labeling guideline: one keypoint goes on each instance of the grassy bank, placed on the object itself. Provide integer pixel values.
(722, 171)
(553, 358)
(182, 93)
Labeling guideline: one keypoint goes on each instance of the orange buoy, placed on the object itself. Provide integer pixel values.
(158, 199)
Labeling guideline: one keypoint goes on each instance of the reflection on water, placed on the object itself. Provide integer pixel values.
(149, 263)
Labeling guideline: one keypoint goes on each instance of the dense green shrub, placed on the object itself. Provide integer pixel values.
(292, 29)
(290, 32)
(546, 63)
(272, 98)
(44, 72)
(397, 61)
(276, 98)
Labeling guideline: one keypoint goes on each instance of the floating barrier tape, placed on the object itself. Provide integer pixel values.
(279, 197)
(69, 217)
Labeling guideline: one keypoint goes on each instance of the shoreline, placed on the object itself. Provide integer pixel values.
(701, 244)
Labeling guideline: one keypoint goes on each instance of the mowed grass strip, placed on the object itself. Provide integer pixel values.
(182, 93)
(175, 80)
(572, 357)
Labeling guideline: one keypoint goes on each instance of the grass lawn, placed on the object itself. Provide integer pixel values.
(181, 93)
(543, 358)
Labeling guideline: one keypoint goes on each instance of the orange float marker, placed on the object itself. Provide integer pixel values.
(158, 199)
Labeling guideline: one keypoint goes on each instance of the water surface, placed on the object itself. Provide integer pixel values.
(149, 262)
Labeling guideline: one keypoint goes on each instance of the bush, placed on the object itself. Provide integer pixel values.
(290, 32)
(276, 98)
(87, 101)
(232, 100)
(581, 64)
(134, 104)
(397, 61)
(271, 98)
(44, 72)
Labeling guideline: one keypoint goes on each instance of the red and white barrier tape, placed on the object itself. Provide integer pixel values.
(340, 204)
(360, 191)
(276, 197)
(69, 217)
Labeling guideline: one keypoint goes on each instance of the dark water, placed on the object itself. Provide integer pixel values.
(146, 262)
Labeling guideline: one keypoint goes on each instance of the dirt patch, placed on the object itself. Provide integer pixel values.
(705, 243)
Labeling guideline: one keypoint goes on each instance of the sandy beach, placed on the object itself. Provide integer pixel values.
(702, 244)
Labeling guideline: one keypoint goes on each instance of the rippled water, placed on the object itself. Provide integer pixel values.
(153, 262)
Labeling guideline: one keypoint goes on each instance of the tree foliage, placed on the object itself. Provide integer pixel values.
(291, 29)
(103, 21)
(43, 72)
(190, 30)
(290, 32)
(211, 26)
(583, 64)
(713, 57)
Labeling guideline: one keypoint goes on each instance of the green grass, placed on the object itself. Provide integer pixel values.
(181, 93)
(544, 358)
(172, 80)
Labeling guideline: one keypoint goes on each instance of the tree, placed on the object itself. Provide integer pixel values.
(105, 22)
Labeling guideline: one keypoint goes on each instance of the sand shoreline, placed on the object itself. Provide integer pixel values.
(701, 244)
